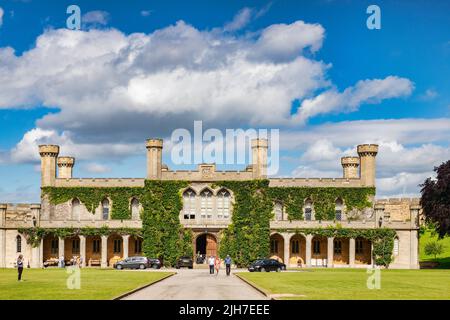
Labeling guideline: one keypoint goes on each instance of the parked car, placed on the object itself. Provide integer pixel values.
(186, 262)
(266, 265)
(137, 263)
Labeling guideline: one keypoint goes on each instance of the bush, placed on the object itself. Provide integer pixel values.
(434, 248)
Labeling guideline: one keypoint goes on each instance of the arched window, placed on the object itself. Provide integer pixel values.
(105, 209)
(308, 209)
(396, 246)
(189, 204)
(278, 210)
(338, 209)
(19, 244)
(206, 203)
(337, 245)
(76, 209)
(223, 203)
(135, 209)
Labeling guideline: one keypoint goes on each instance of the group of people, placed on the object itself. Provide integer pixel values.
(214, 264)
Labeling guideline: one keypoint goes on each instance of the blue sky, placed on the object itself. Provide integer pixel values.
(333, 83)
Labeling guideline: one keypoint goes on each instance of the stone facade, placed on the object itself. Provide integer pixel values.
(207, 211)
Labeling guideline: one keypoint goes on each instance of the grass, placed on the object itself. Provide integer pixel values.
(444, 259)
(344, 284)
(51, 284)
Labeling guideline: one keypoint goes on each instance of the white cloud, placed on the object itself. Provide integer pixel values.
(365, 91)
(96, 168)
(96, 17)
(1, 16)
(240, 20)
(428, 95)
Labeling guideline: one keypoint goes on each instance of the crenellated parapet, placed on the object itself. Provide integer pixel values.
(350, 167)
(48, 154)
(65, 167)
(154, 158)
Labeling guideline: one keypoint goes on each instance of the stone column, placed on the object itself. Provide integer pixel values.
(61, 247)
(104, 262)
(41, 254)
(3, 235)
(308, 250)
(286, 239)
(351, 258)
(125, 239)
(83, 251)
(330, 252)
(36, 256)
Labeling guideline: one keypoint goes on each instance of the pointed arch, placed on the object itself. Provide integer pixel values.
(206, 203)
(308, 209)
(223, 198)
(135, 208)
(339, 209)
(189, 203)
(278, 209)
(76, 209)
(105, 209)
(18, 243)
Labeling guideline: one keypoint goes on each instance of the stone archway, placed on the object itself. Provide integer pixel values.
(206, 244)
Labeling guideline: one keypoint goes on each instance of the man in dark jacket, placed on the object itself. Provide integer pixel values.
(228, 264)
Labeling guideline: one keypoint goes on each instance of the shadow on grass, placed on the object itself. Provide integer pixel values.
(443, 263)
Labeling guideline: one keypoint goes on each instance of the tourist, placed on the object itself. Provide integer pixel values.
(20, 267)
(217, 265)
(211, 264)
(228, 264)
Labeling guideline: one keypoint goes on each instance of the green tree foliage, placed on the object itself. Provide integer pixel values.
(435, 200)
(434, 248)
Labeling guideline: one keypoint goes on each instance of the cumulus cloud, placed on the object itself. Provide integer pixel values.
(364, 92)
(146, 13)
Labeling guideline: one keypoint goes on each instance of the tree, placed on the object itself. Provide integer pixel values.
(434, 248)
(435, 199)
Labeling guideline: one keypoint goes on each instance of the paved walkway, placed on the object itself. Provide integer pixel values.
(198, 284)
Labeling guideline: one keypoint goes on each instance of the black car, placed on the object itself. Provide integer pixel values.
(266, 265)
(186, 262)
(138, 263)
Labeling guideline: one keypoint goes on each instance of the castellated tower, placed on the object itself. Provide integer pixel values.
(48, 153)
(350, 166)
(367, 154)
(154, 158)
(65, 166)
(259, 158)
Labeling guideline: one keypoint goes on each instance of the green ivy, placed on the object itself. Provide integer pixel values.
(248, 236)
(92, 197)
(323, 199)
(164, 236)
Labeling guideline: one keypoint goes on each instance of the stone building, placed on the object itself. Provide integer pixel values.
(207, 210)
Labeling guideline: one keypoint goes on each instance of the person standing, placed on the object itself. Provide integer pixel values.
(217, 265)
(228, 264)
(20, 267)
(211, 264)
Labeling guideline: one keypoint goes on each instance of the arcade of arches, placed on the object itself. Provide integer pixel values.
(317, 251)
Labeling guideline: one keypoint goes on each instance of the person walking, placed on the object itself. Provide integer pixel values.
(217, 265)
(20, 267)
(211, 264)
(228, 264)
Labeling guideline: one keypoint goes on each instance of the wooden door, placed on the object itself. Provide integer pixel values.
(211, 245)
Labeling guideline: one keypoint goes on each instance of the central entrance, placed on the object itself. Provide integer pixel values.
(206, 244)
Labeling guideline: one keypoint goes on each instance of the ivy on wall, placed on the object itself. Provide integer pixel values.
(382, 239)
(247, 238)
(92, 197)
(163, 233)
(36, 234)
(323, 199)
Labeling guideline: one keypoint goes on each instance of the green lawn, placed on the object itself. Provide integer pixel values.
(43, 284)
(352, 284)
(444, 259)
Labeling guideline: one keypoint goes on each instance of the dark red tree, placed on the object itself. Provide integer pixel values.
(435, 199)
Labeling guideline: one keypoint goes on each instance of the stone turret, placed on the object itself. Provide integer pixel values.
(350, 166)
(367, 154)
(154, 158)
(65, 166)
(48, 153)
(259, 158)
